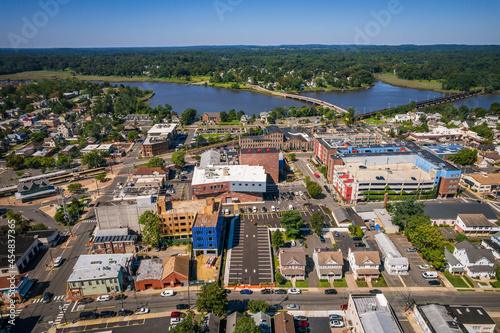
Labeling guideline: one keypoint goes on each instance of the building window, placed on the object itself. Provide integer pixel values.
(204, 188)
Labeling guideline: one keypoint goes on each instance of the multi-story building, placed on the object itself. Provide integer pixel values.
(372, 314)
(113, 241)
(475, 224)
(394, 262)
(177, 217)
(268, 158)
(292, 263)
(326, 145)
(213, 117)
(26, 249)
(483, 183)
(152, 146)
(444, 151)
(34, 190)
(364, 264)
(165, 131)
(97, 274)
(207, 230)
(478, 262)
(231, 183)
(328, 264)
(279, 138)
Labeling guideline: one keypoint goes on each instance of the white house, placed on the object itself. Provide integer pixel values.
(476, 224)
(364, 264)
(493, 244)
(394, 262)
(328, 264)
(478, 263)
(452, 264)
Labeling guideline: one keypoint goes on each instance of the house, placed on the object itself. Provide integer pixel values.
(34, 190)
(346, 216)
(144, 174)
(69, 150)
(478, 263)
(245, 119)
(263, 320)
(447, 213)
(493, 244)
(231, 321)
(14, 287)
(364, 264)
(370, 313)
(452, 264)
(394, 262)
(284, 323)
(26, 249)
(481, 163)
(213, 117)
(158, 273)
(117, 243)
(492, 158)
(65, 130)
(175, 271)
(328, 264)
(16, 137)
(26, 151)
(482, 182)
(475, 224)
(98, 274)
(48, 238)
(210, 323)
(292, 263)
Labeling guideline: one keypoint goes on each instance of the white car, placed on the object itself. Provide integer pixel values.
(425, 267)
(336, 323)
(294, 291)
(58, 262)
(167, 293)
(254, 209)
(175, 320)
(277, 209)
(104, 298)
(301, 193)
(292, 307)
(142, 311)
(273, 209)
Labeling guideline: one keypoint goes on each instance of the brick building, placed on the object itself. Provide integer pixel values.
(268, 158)
(113, 244)
(279, 138)
(211, 117)
(158, 273)
(154, 146)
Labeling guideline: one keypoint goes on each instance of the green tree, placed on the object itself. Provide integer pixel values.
(277, 240)
(156, 162)
(132, 136)
(231, 115)
(151, 228)
(223, 116)
(39, 226)
(293, 223)
(355, 231)
(258, 306)
(63, 161)
(460, 237)
(38, 136)
(178, 158)
(100, 177)
(314, 189)
(15, 162)
(428, 238)
(188, 325)
(115, 135)
(188, 116)
(212, 298)
(464, 157)
(291, 156)
(317, 222)
(75, 187)
(278, 277)
(246, 325)
(405, 209)
(95, 159)
(497, 272)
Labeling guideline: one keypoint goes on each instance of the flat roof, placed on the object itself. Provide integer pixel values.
(400, 173)
(471, 315)
(375, 314)
(444, 149)
(258, 151)
(99, 266)
(229, 173)
(161, 129)
(438, 318)
(151, 140)
(150, 269)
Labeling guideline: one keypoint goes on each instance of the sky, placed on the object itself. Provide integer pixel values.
(133, 23)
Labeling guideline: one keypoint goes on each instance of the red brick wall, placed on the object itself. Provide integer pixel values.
(270, 162)
(242, 197)
(204, 189)
(444, 186)
(174, 278)
(154, 149)
(141, 285)
(331, 165)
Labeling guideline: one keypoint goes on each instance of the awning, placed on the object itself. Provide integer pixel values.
(26, 288)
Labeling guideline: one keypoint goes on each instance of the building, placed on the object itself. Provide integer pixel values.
(267, 158)
(146, 176)
(394, 262)
(48, 237)
(328, 264)
(231, 183)
(207, 230)
(372, 314)
(152, 146)
(210, 158)
(482, 183)
(26, 249)
(364, 264)
(384, 220)
(113, 241)
(35, 189)
(280, 139)
(436, 318)
(441, 133)
(478, 263)
(210, 323)
(123, 213)
(475, 224)
(15, 287)
(284, 323)
(324, 146)
(346, 216)
(211, 117)
(452, 264)
(447, 213)
(98, 274)
(444, 151)
(165, 131)
(159, 273)
(68, 150)
(263, 320)
(231, 321)
(292, 263)
(493, 244)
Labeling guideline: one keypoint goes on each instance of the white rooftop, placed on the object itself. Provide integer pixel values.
(162, 129)
(99, 266)
(229, 173)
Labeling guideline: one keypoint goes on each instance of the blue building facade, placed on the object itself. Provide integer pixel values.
(208, 234)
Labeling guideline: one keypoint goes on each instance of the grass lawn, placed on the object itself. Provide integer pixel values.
(340, 283)
(483, 283)
(379, 282)
(395, 81)
(456, 280)
(468, 281)
(361, 283)
(450, 247)
(276, 262)
(324, 284)
(212, 135)
(373, 121)
(495, 284)
(465, 290)
(301, 284)
(287, 284)
(234, 122)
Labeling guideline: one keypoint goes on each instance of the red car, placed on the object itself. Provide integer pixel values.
(343, 307)
(316, 174)
(175, 314)
(302, 323)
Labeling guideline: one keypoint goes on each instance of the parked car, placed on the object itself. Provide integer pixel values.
(273, 209)
(280, 291)
(275, 307)
(336, 233)
(375, 291)
(120, 297)
(175, 314)
(335, 317)
(142, 311)
(336, 323)
(124, 312)
(434, 283)
(182, 306)
(58, 262)
(321, 238)
(175, 320)
(265, 291)
(85, 300)
(301, 323)
(246, 291)
(294, 291)
(304, 318)
(359, 244)
(104, 298)
(303, 330)
(167, 293)
(344, 307)
(356, 238)
(424, 267)
(330, 291)
(47, 297)
(87, 315)
(292, 307)
(411, 249)
(107, 314)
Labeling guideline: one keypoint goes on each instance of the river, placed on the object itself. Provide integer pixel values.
(209, 99)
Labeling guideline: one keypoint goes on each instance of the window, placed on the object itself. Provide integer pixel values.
(211, 232)
(253, 184)
(96, 281)
(222, 186)
(204, 188)
(90, 283)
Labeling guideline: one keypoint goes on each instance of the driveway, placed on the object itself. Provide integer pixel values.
(313, 242)
(344, 242)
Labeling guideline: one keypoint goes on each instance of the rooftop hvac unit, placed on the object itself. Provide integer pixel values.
(372, 306)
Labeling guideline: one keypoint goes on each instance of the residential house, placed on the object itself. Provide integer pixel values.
(328, 263)
(475, 224)
(210, 323)
(284, 323)
(478, 263)
(69, 150)
(213, 117)
(65, 130)
(292, 263)
(452, 264)
(493, 244)
(364, 264)
(231, 321)
(394, 262)
(263, 320)
(16, 137)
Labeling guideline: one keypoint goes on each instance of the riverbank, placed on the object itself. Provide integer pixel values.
(393, 80)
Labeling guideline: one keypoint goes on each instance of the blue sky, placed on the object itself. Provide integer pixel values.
(129, 23)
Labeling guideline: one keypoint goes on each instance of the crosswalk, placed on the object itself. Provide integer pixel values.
(8, 328)
(56, 298)
(89, 221)
(60, 316)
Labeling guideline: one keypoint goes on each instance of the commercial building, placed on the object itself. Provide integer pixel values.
(483, 183)
(207, 230)
(438, 318)
(394, 262)
(447, 213)
(364, 264)
(444, 151)
(372, 314)
(326, 145)
(146, 176)
(328, 263)
(267, 158)
(98, 274)
(113, 241)
(159, 273)
(442, 133)
(26, 249)
(35, 189)
(475, 225)
(280, 138)
(292, 263)
(152, 146)
(14, 288)
(165, 131)
(231, 183)
(213, 117)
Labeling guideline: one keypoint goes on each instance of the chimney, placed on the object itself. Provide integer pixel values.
(386, 197)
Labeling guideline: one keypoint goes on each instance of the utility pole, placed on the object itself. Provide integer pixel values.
(67, 216)
(64, 312)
